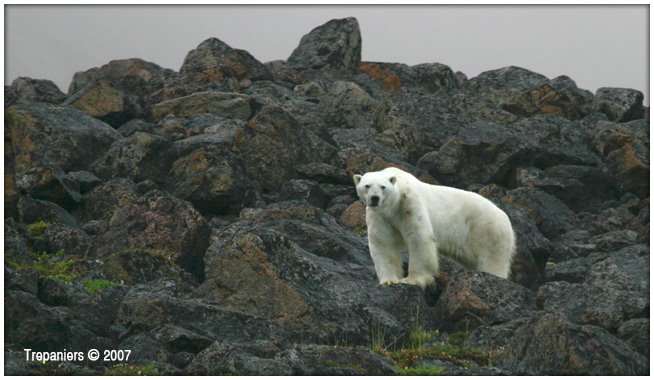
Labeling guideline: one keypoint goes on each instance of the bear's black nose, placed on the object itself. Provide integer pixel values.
(374, 200)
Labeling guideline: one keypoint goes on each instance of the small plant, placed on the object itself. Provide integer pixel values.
(49, 265)
(419, 336)
(95, 285)
(458, 338)
(132, 370)
(37, 229)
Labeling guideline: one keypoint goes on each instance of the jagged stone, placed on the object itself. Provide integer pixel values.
(334, 45)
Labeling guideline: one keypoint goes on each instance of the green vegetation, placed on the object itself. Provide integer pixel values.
(37, 229)
(132, 370)
(49, 265)
(408, 359)
(95, 285)
(419, 336)
(422, 371)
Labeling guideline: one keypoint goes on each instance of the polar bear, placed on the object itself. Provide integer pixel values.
(402, 211)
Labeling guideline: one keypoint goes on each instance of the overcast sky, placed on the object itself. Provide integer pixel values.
(596, 46)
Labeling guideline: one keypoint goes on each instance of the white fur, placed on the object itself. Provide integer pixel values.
(429, 220)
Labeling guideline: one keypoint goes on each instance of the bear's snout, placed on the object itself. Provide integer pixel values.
(374, 200)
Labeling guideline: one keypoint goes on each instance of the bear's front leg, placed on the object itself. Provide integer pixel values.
(388, 262)
(423, 257)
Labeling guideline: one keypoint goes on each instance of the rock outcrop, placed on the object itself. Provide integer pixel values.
(205, 219)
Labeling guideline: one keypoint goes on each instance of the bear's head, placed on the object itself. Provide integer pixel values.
(375, 188)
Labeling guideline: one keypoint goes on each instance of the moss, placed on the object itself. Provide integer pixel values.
(37, 229)
(95, 285)
(132, 370)
(50, 265)
(415, 350)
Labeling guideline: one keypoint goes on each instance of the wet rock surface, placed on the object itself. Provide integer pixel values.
(205, 218)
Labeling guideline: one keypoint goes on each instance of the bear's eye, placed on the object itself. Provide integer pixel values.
(383, 187)
(367, 186)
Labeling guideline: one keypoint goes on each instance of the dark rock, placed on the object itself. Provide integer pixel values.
(312, 282)
(136, 266)
(272, 144)
(151, 305)
(615, 289)
(15, 245)
(548, 344)
(25, 280)
(559, 96)
(63, 238)
(118, 91)
(334, 360)
(178, 339)
(54, 292)
(614, 240)
(551, 215)
(28, 90)
(105, 199)
(159, 223)
(228, 105)
(636, 333)
(211, 177)
(334, 45)
(502, 85)
(483, 152)
(424, 78)
(303, 189)
(625, 147)
(48, 141)
(472, 299)
(30, 324)
(346, 105)
(135, 125)
(137, 157)
(85, 179)
(322, 172)
(34, 210)
(214, 60)
(619, 104)
(256, 358)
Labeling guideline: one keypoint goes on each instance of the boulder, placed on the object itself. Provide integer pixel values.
(472, 299)
(138, 157)
(615, 290)
(28, 90)
(118, 91)
(423, 78)
(625, 147)
(49, 140)
(334, 45)
(273, 144)
(211, 177)
(619, 104)
(158, 223)
(228, 105)
(548, 344)
(214, 60)
(559, 96)
(551, 215)
(101, 202)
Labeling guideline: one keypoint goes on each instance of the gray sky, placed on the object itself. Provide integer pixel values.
(595, 45)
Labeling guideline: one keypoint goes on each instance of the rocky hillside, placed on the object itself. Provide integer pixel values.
(205, 219)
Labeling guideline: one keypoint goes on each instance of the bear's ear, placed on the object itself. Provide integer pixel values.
(357, 179)
(393, 180)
